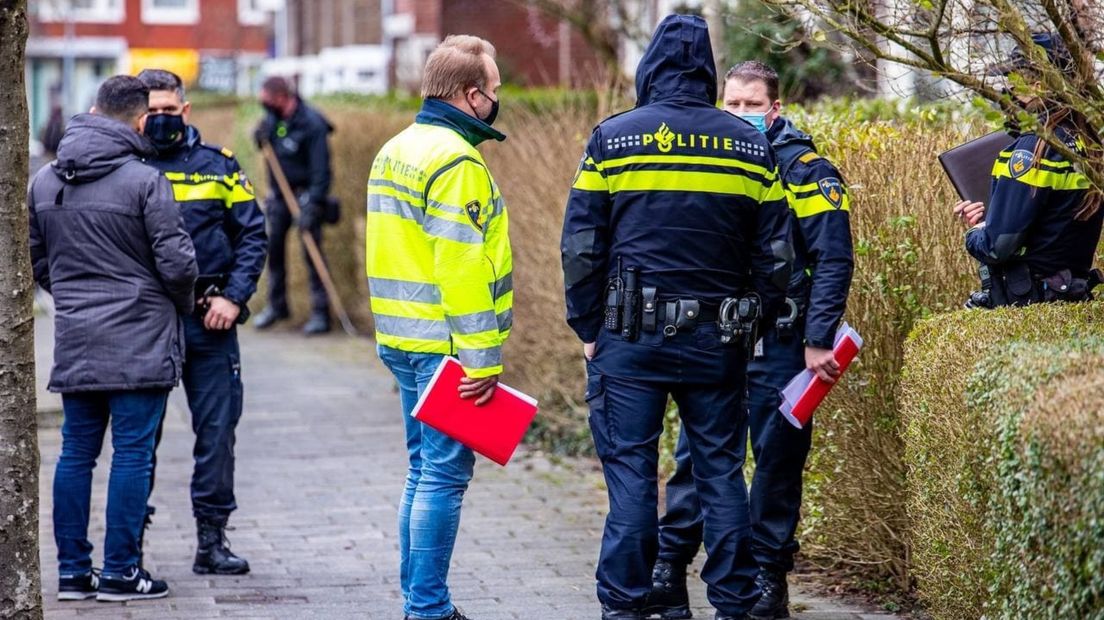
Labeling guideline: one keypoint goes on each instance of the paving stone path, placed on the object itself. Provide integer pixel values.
(319, 472)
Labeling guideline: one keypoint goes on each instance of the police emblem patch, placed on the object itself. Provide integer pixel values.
(475, 211)
(1020, 162)
(832, 190)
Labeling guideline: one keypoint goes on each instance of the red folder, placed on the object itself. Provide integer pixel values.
(806, 391)
(493, 430)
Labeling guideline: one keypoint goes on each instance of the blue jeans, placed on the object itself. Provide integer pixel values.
(429, 513)
(134, 416)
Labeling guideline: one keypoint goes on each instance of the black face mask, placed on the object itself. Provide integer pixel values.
(494, 109)
(271, 109)
(166, 131)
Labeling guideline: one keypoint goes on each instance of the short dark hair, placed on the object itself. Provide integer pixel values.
(123, 98)
(277, 86)
(160, 79)
(751, 70)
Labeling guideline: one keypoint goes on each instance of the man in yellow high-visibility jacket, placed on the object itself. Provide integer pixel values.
(440, 275)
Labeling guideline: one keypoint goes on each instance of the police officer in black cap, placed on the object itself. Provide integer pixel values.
(802, 337)
(227, 228)
(676, 235)
(298, 134)
(1037, 236)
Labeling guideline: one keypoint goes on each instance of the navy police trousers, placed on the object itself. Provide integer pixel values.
(628, 386)
(780, 451)
(212, 383)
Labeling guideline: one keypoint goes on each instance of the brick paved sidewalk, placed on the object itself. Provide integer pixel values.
(320, 467)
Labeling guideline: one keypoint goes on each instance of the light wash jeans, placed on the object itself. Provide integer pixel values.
(429, 514)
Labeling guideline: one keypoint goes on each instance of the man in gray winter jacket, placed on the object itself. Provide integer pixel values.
(108, 241)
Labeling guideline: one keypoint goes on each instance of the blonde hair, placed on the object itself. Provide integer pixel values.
(455, 65)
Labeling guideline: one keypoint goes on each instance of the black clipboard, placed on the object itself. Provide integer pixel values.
(969, 166)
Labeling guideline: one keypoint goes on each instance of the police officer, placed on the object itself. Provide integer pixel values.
(676, 224)
(227, 228)
(801, 338)
(1037, 237)
(298, 134)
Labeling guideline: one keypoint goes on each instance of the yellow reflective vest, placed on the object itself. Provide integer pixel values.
(438, 260)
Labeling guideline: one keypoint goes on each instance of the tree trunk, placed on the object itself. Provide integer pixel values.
(20, 580)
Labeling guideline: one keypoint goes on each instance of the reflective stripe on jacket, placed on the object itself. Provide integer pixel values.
(438, 256)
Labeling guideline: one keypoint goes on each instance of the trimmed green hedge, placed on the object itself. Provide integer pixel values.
(1004, 444)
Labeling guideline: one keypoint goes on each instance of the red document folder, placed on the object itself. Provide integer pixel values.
(806, 391)
(493, 430)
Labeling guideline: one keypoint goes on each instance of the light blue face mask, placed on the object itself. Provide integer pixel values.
(757, 120)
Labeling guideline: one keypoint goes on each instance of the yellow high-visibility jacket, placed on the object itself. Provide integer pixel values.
(438, 260)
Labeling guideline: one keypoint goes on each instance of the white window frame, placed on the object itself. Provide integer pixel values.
(102, 12)
(151, 14)
(251, 16)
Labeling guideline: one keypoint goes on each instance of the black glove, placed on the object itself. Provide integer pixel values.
(262, 132)
(310, 215)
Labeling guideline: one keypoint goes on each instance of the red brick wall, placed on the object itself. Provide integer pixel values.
(527, 41)
(218, 29)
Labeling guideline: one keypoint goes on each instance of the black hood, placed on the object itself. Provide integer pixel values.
(783, 133)
(95, 145)
(678, 63)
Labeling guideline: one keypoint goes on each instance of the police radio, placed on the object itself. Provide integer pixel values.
(615, 292)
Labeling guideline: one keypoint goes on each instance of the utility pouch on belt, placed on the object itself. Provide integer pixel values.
(648, 311)
(1019, 284)
(1062, 286)
(681, 314)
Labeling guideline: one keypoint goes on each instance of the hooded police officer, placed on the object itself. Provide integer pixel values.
(801, 338)
(676, 230)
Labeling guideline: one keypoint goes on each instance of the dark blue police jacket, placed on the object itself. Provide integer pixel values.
(1032, 212)
(220, 213)
(685, 192)
(823, 258)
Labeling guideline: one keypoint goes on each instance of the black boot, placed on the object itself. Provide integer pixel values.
(265, 318)
(775, 601)
(721, 616)
(318, 323)
(610, 613)
(213, 554)
(668, 598)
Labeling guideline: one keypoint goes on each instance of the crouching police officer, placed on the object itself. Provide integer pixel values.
(676, 235)
(1037, 237)
(227, 228)
(801, 338)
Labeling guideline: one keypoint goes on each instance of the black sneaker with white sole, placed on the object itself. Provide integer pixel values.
(79, 587)
(135, 585)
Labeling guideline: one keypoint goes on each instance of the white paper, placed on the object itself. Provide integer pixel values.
(797, 386)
